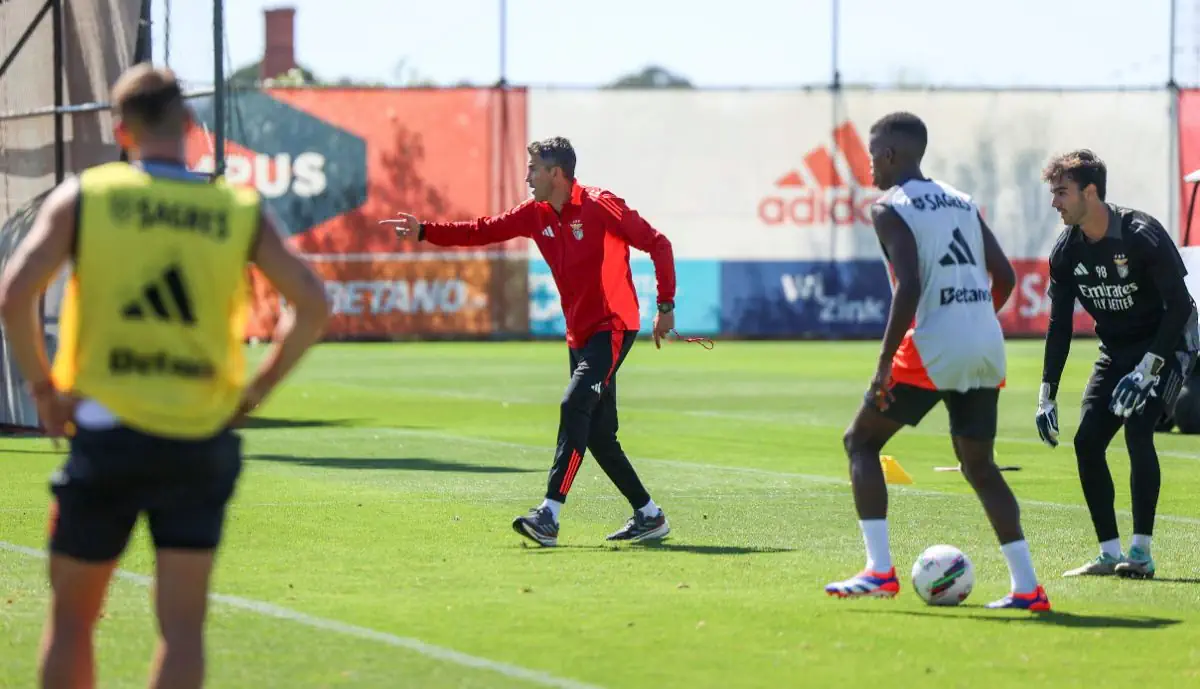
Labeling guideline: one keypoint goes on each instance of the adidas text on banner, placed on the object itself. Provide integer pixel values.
(830, 187)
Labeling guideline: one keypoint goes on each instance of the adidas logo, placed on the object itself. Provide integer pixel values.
(1080, 270)
(829, 188)
(549, 232)
(165, 299)
(959, 253)
(596, 388)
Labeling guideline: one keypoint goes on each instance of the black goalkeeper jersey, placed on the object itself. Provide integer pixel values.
(1130, 282)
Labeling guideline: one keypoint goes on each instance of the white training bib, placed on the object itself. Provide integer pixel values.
(956, 342)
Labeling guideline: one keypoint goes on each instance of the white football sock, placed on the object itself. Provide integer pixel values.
(875, 536)
(554, 506)
(649, 509)
(1020, 566)
(1112, 547)
(1142, 541)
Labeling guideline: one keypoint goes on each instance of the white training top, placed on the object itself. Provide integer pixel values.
(956, 342)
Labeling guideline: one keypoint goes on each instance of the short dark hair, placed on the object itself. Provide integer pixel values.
(904, 124)
(557, 152)
(1081, 166)
(150, 100)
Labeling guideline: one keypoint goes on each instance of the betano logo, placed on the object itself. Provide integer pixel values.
(822, 193)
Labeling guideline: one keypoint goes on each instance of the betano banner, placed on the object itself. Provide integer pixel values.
(396, 294)
(330, 163)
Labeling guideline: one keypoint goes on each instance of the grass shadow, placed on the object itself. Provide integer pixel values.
(1055, 617)
(708, 549)
(667, 547)
(260, 422)
(1170, 580)
(392, 463)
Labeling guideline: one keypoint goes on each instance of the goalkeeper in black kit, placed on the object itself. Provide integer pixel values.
(1125, 270)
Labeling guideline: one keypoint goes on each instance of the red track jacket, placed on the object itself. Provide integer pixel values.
(587, 248)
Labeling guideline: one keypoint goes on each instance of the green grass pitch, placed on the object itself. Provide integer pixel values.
(369, 544)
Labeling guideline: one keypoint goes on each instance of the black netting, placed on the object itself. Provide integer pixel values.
(99, 40)
(17, 409)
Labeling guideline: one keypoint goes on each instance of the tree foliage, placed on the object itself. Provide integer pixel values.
(651, 77)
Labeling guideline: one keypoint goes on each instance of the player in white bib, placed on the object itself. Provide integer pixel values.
(943, 343)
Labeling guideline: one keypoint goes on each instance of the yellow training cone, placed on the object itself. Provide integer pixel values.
(892, 471)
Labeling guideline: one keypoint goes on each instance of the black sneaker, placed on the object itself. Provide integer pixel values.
(642, 528)
(539, 526)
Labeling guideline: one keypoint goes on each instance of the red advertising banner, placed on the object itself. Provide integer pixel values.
(1028, 309)
(1189, 162)
(331, 162)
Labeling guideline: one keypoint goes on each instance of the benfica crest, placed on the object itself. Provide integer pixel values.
(577, 229)
(1122, 265)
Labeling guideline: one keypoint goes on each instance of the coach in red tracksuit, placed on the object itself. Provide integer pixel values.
(584, 233)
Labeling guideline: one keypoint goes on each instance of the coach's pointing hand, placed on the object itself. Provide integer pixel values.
(404, 224)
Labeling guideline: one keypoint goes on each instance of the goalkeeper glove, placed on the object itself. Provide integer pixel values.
(1047, 416)
(1136, 387)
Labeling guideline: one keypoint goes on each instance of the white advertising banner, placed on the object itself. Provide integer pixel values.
(1191, 260)
(785, 175)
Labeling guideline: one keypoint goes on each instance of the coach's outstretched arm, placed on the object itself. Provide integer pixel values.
(1004, 278)
(900, 249)
(521, 221)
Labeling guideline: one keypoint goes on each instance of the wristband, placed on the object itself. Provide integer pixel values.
(1152, 363)
(1047, 392)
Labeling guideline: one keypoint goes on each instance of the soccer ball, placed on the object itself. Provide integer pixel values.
(943, 575)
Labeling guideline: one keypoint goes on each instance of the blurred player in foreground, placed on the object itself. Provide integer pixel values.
(584, 233)
(149, 371)
(941, 253)
(1124, 268)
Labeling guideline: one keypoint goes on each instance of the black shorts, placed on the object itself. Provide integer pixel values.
(973, 414)
(112, 476)
(1112, 366)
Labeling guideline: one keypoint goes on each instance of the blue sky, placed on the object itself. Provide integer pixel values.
(715, 43)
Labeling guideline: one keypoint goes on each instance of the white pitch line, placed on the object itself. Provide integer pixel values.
(416, 645)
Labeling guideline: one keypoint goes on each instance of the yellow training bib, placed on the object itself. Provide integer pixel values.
(153, 314)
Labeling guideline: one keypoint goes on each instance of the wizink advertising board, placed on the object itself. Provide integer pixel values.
(804, 298)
